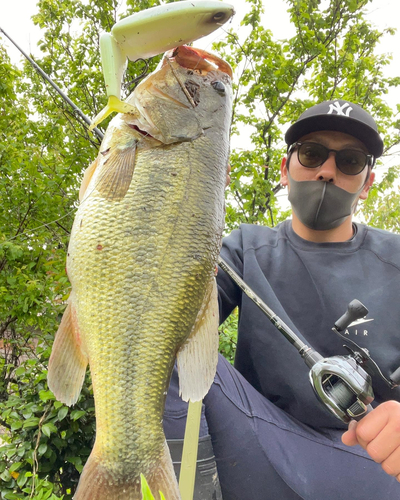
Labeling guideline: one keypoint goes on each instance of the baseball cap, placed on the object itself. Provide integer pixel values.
(342, 116)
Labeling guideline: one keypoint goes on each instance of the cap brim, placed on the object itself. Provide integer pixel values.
(355, 128)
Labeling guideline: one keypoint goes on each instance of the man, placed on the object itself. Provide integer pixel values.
(272, 439)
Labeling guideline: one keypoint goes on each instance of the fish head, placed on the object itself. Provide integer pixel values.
(188, 95)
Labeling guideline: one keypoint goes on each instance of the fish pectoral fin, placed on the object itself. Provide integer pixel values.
(114, 104)
(68, 362)
(198, 357)
(117, 171)
(101, 482)
(87, 177)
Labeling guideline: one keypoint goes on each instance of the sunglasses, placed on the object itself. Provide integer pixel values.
(348, 161)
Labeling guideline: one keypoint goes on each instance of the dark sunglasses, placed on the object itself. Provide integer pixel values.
(348, 161)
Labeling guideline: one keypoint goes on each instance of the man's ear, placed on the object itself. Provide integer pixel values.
(367, 186)
(284, 172)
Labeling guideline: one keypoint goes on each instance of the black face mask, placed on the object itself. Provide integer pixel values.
(321, 205)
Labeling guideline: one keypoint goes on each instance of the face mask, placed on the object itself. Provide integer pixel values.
(321, 205)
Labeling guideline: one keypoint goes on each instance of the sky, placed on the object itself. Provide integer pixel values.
(16, 20)
(16, 16)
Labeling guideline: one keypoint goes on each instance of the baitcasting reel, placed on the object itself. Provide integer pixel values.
(342, 383)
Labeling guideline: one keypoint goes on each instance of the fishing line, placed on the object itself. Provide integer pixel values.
(184, 89)
(56, 220)
(24, 233)
(260, 109)
(128, 85)
(78, 111)
(38, 227)
(99, 134)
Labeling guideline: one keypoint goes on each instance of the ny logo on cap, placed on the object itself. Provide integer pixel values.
(340, 110)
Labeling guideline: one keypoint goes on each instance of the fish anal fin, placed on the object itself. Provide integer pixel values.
(116, 171)
(198, 357)
(99, 482)
(68, 361)
(87, 178)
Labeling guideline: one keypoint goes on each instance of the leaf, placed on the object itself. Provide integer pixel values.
(42, 448)
(20, 371)
(46, 396)
(22, 480)
(146, 493)
(31, 422)
(77, 414)
(62, 413)
(5, 476)
(11, 496)
(48, 428)
(14, 467)
(16, 425)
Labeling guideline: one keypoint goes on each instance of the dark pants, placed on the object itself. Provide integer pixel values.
(264, 454)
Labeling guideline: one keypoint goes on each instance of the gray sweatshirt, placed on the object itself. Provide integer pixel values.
(309, 285)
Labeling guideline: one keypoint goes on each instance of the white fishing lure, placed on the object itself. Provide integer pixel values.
(152, 32)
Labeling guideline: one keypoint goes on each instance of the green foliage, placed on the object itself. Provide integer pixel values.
(228, 336)
(146, 493)
(382, 208)
(45, 147)
(333, 54)
(47, 443)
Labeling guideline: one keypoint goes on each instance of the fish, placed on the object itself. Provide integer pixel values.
(141, 261)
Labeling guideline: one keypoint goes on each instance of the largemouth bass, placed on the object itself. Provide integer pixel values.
(141, 261)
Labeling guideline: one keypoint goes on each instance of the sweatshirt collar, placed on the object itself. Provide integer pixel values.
(346, 246)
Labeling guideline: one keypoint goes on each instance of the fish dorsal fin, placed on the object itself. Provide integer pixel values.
(68, 360)
(198, 357)
(116, 171)
(87, 177)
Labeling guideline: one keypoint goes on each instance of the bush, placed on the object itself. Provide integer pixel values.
(46, 443)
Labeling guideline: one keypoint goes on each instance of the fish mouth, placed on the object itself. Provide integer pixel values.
(197, 59)
(147, 124)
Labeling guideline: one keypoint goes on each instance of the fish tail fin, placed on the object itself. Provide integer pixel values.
(98, 482)
(163, 478)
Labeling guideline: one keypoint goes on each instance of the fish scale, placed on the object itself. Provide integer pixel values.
(121, 250)
(141, 262)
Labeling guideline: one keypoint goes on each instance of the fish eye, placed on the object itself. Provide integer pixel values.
(219, 16)
(218, 86)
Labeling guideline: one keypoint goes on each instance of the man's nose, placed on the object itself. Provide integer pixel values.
(328, 170)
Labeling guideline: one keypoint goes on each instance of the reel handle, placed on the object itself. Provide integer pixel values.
(395, 377)
(355, 310)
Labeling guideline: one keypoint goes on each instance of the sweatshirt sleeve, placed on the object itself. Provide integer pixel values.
(229, 294)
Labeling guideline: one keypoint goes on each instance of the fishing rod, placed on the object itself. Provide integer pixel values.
(78, 111)
(335, 380)
(342, 383)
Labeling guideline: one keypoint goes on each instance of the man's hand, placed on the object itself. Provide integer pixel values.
(379, 434)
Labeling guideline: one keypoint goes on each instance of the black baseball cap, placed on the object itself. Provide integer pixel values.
(341, 116)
